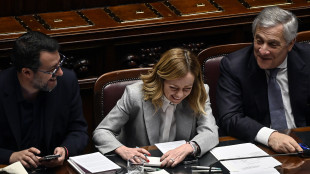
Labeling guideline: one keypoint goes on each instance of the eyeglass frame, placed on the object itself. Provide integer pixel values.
(57, 68)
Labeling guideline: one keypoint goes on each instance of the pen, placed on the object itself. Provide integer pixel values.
(303, 146)
(151, 169)
(204, 167)
(213, 171)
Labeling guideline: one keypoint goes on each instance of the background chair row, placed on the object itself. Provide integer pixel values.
(110, 86)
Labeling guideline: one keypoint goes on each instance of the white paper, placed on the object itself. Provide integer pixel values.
(258, 171)
(95, 162)
(16, 168)
(244, 150)
(165, 147)
(154, 161)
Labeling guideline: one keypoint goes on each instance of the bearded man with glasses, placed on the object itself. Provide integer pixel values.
(40, 105)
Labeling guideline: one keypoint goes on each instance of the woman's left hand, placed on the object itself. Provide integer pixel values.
(175, 156)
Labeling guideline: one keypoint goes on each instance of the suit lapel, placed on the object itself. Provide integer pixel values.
(258, 86)
(151, 120)
(184, 121)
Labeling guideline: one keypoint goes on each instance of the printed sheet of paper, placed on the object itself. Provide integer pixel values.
(165, 147)
(95, 162)
(258, 171)
(16, 168)
(244, 150)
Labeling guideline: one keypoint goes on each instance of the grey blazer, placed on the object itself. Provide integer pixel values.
(138, 121)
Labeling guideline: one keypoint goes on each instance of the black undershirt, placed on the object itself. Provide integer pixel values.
(31, 119)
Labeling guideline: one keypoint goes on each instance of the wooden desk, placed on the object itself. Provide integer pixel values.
(290, 164)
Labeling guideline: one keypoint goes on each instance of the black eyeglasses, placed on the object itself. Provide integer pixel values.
(63, 58)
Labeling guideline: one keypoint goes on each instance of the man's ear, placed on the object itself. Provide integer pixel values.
(26, 72)
(291, 44)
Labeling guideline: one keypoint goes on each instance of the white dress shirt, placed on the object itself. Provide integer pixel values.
(167, 130)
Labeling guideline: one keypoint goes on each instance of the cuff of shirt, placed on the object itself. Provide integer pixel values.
(263, 135)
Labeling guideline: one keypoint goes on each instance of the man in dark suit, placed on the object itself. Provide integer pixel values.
(40, 105)
(246, 98)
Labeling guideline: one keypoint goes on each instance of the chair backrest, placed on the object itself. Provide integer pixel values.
(110, 87)
(303, 36)
(210, 59)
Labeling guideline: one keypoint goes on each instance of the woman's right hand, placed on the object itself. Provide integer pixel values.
(129, 153)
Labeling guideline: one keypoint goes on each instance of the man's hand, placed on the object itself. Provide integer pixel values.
(128, 153)
(283, 143)
(175, 156)
(27, 157)
(58, 161)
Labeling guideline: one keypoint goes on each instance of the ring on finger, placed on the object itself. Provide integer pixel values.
(171, 159)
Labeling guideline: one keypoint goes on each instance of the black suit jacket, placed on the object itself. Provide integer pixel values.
(242, 97)
(64, 124)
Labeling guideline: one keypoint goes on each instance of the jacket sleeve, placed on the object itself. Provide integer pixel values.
(105, 136)
(207, 130)
(229, 97)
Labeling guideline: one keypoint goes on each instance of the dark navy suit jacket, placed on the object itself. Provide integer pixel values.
(242, 97)
(64, 124)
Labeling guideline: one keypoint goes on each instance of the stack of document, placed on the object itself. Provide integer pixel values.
(92, 163)
(246, 166)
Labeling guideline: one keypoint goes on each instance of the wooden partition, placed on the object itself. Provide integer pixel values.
(102, 36)
(23, 7)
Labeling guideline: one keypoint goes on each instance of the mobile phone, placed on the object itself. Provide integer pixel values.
(49, 157)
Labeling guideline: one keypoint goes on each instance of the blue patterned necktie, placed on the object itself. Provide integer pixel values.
(276, 108)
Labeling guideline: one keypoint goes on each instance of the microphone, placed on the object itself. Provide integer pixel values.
(303, 154)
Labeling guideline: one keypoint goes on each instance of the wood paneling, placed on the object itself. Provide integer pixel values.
(22, 7)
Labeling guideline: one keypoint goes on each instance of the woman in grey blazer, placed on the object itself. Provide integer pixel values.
(170, 103)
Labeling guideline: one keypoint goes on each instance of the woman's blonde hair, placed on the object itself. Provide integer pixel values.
(174, 64)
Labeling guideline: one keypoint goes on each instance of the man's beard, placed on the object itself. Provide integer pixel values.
(39, 84)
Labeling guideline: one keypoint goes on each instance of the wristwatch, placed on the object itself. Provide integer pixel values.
(195, 147)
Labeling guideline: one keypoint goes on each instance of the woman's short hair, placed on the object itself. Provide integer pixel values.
(174, 64)
(272, 16)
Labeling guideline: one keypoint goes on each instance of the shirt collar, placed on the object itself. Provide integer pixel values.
(281, 67)
(283, 64)
(166, 103)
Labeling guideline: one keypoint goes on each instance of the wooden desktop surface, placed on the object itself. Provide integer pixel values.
(290, 164)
